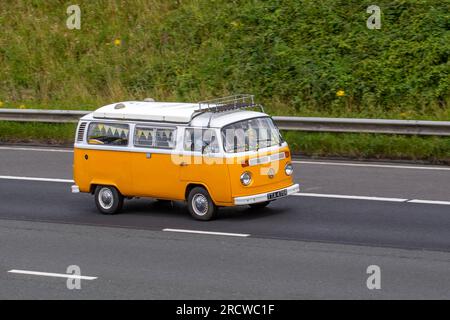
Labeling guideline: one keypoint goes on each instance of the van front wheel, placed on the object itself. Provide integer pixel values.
(200, 204)
(108, 199)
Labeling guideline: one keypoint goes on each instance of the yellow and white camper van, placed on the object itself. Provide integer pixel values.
(211, 154)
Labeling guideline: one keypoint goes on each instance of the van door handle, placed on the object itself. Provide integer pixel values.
(183, 164)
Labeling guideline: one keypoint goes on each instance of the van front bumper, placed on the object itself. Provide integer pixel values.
(262, 197)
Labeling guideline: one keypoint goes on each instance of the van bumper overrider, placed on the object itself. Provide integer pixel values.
(239, 201)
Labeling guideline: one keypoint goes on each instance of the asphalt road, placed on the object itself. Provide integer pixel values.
(317, 245)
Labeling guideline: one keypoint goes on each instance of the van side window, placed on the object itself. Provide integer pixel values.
(161, 138)
(201, 140)
(108, 134)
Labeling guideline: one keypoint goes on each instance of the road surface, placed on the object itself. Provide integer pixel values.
(317, 244)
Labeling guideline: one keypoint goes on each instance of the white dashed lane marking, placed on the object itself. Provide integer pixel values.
(302, 194)
(244, 235)
(50, 274)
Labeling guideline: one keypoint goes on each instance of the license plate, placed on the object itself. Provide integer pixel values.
(277, 194)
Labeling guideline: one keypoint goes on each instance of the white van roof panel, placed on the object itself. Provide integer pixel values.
(148, 111)
(221, 119)
(174, 112)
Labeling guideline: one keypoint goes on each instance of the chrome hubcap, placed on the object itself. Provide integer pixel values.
(200, 204)
(106, 198)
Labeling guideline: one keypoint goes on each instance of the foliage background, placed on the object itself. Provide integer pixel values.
(293, 54)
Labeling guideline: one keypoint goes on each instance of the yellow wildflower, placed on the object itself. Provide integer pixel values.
(340, 93)
(117, 42)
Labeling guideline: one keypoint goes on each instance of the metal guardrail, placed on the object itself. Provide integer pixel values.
(35, 115)
(404, 127)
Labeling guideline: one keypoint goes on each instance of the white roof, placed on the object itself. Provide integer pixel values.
(170, 112)
(221, 119)
(148, 111)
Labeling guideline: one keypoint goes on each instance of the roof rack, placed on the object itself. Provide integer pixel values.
(235, 102)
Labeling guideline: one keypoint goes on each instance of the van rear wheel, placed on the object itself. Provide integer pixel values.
(200, 204)
(108, 199)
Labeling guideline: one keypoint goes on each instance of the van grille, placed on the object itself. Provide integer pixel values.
(81, 130)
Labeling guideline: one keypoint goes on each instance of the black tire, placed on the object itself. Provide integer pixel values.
(108, 199)
(259, 205)
(200, 204)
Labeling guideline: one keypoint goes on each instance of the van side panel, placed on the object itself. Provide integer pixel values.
(80, 170)
(210, 172)
(93, 167)
(155, 175)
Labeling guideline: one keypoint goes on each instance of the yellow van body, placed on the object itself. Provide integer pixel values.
(134, 175)
(139, 148)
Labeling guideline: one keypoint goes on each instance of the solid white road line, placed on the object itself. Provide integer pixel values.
(370, 165)
(49, 274)
(430, 202)
(208, 232)
(36, 149)
(36, 179)
(300, 194)
(339, 196)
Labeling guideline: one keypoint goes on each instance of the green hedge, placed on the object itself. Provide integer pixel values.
(295, 55)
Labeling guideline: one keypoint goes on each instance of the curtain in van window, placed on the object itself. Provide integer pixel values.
(163, 138)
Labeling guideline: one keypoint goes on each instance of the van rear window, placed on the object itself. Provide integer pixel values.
(108, 134)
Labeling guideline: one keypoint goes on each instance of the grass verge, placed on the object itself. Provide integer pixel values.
(42, 133)
(434, 150)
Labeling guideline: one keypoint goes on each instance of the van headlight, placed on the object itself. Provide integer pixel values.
(289, 169)
(246, 178)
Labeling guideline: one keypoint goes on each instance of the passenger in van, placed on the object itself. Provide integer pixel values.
(210, 146)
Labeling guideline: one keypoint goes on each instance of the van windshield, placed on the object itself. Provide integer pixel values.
(250, 135)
